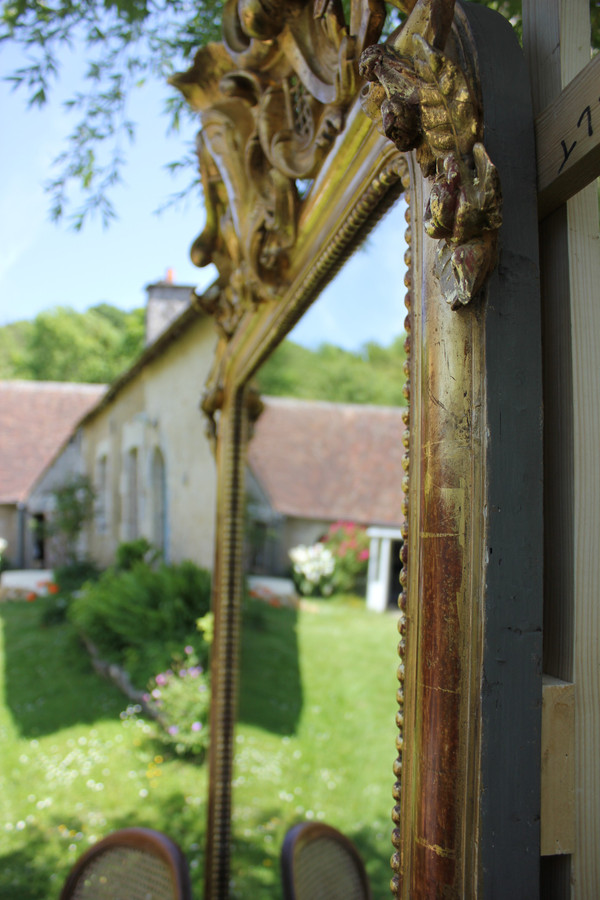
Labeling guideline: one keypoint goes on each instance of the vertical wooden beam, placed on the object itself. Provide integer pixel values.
(557, 44)
(511, 684)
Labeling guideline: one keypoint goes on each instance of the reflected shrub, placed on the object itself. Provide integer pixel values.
(139, 617)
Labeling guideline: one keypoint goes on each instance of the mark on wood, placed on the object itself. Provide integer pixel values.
(568, 140)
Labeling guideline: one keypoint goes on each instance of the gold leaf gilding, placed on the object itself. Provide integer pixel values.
(423, 101)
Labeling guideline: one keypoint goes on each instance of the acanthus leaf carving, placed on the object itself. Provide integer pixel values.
(423, 101)
(448, 109)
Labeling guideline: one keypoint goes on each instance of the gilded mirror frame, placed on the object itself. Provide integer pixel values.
(442, 113)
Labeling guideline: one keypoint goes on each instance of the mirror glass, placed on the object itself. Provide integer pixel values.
(316, 726)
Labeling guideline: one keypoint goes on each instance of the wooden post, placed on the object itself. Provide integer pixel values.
(557, 45)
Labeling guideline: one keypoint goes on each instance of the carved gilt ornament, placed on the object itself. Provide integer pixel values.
(424, 101)
(272, 97)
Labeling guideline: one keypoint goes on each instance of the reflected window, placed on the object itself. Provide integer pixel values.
(131, 516)
(159, 502)
(101, 500)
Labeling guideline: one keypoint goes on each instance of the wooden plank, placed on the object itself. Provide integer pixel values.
(558, 767)
(567, 137)
(512, 690)
(556, 41)
(585, 340)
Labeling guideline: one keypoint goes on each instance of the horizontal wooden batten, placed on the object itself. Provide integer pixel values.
(567, 137)
(558, 767)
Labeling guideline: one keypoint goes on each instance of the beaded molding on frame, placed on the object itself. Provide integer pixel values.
(403, 600)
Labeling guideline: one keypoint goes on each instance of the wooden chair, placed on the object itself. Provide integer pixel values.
(130, 864)
(320, 863)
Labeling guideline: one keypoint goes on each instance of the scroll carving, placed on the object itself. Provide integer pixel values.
(272, 98)
(213, 399)
(424, 101)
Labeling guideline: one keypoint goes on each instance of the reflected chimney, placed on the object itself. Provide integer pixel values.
(166, 301)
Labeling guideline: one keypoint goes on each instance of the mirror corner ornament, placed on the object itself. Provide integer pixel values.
(272, 97)
(424, 101)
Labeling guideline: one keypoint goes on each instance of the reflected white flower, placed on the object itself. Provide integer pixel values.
(312, 562)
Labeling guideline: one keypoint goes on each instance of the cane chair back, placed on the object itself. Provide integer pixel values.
(130, 864)
(320, 863)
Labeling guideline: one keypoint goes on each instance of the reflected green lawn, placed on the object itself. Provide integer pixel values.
(315, 740)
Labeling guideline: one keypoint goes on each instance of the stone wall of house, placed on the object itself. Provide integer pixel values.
(173, 388)
(150, 460)
(103, 447)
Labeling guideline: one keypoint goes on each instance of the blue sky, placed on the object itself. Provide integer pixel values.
(43, 265)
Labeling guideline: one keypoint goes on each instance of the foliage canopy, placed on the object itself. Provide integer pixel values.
(124, 43)
(98, 345)
(63, 345)
(373, 375)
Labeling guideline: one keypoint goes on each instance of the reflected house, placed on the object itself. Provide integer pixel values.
(142, 442)
(314, 463)
(37, 421)
(144, 445)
